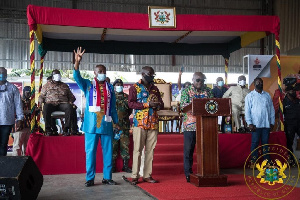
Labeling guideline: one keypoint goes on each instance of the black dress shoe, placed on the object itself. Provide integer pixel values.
(89, 183)
(108, 182)
(49, 133)
(187, 178)
(134, 181)
(150, 180)
(66, 134)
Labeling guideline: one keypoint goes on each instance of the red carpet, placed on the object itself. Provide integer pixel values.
(176, 187)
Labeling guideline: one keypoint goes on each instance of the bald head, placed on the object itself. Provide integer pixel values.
(147, 75)
(100, 72)
(147, 70)
(198, 80)
(242, 81)
(242, 77)
(55, 71)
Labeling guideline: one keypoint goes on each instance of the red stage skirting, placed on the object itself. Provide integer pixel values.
(66, 155)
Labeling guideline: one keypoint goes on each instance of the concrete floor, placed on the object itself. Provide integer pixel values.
(71, 186)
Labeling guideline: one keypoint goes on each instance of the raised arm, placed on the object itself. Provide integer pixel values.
(179, 80)
(78, 57)
(81, 82)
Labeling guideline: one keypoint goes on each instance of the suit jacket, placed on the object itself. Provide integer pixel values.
(90, 118)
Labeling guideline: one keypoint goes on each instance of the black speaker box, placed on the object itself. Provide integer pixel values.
(20, 178)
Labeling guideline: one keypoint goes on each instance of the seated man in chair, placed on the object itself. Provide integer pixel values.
(57, 96)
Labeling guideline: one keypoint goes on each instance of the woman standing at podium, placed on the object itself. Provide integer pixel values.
(197, 90)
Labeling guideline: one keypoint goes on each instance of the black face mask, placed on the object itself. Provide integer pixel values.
(259, 86)
(149, 79)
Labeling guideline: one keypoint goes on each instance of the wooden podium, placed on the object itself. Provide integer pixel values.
(207, 111)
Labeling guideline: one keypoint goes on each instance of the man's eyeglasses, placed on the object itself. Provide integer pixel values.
(151, 75)
(200, 80)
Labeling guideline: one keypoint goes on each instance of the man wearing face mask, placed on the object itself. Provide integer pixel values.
(145, 99)
(218, 92)
(11, 106)
(291, 111)
(100, 112)
(57, 96)
(123, 114)
(196, 90)
(21, 137)
(237, 95)
(260, 116)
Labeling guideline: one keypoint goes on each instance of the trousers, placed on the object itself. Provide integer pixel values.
(143, 138)
(20, 142)
(91, 143)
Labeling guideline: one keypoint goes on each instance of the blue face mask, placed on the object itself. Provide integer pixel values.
(220, 83)
(101, 77)
(2, 77)
(119, 88)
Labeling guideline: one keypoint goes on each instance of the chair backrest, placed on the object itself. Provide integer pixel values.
(165, 91)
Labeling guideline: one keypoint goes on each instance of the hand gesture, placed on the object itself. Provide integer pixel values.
(252, 128)
(118, 127)
(19, 125)
(78, 54)
(153, 104)
(271, 127)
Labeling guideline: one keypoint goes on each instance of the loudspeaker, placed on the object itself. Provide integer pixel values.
(20, 178)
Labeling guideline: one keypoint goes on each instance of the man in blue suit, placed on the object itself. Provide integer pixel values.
(99, 113)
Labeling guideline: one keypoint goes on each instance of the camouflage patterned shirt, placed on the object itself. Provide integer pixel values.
(123, 110)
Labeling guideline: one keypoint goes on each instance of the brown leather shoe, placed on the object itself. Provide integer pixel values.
(149, 180)
(134, 181)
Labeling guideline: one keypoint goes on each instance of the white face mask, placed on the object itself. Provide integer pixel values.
(220, 83)
(101, 77)
(119, 88)
(57, 77)
(242, 83)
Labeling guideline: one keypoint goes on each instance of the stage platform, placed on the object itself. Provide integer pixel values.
(66, 154)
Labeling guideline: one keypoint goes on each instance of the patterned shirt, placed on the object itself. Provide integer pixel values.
(139, 98)
(123, 110)
(56, 93)
(10, 104)
(101, 113)
(189, 121)
(27, 112)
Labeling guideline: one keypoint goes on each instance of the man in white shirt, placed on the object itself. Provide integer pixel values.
(260, 116)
